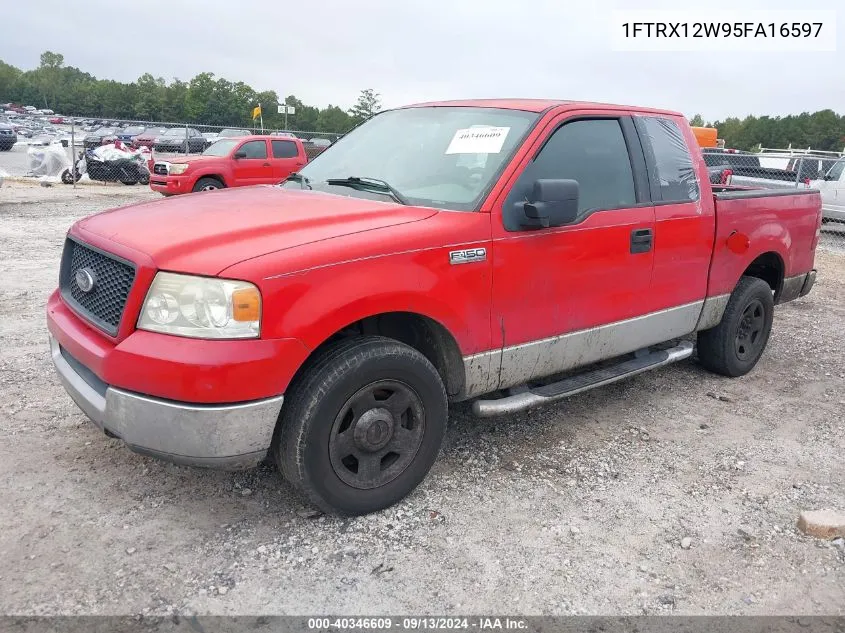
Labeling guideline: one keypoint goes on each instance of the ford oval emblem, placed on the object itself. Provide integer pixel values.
(85, 279)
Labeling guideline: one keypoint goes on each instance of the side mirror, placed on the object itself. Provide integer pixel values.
(553, 202)
(240, 154)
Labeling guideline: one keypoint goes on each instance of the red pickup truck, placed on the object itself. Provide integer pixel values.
(514, 252)
(230, 162)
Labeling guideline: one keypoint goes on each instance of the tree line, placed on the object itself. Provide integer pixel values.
(210, 100)
(204, 100)
(823, 130)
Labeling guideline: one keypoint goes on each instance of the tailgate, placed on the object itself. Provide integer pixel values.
(751, 223)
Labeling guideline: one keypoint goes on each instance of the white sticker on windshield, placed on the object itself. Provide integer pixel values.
(478, 140)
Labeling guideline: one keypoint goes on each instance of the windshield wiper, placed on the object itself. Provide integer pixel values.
(372, 183)
(297, 177)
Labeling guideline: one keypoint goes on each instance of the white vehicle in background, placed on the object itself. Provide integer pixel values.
(796, 171)
(832, 188)
(778, 158)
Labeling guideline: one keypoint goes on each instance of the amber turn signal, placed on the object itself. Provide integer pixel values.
(246, 304)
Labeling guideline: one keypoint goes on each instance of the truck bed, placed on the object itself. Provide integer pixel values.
(782, 221)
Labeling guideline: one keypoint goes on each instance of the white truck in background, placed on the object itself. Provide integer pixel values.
(832, 188)
(795, 172)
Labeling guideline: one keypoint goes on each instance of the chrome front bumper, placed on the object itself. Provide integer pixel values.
(230, 436)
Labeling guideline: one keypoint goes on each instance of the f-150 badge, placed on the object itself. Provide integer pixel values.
(468, 256)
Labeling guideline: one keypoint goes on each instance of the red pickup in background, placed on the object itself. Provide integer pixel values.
(229, 162)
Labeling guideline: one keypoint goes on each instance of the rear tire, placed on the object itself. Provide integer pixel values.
(208, 184)
(733, 347)
(362, 426)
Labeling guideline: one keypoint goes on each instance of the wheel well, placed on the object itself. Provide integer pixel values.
(768, 267)
(216, 177)
(425, 335)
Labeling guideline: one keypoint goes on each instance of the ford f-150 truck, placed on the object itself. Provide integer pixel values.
(230, 162)
(513, 252)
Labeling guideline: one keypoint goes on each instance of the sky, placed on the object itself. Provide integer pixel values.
(411, 51)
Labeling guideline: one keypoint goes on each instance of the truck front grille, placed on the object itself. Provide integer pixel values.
(112, 278)
(160, 169)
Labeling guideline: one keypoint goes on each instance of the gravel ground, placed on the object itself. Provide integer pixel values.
(583, 507)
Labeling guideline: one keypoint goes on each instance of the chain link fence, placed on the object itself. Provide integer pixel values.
(772, 168)
(122, 151)
(126, 151)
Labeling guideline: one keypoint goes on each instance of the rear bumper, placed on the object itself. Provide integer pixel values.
(797, 286)
(809, 282)
(829, 212)
(229, 436)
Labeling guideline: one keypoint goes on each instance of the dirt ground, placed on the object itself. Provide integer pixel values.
(579, 508)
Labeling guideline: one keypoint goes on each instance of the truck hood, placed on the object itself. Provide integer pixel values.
(206, 233)
(192, 160)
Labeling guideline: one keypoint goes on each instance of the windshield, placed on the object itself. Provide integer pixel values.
(835, 172)
(105, 131)
(442, 157)
(220, 148)
(228, 132)
(133, 130)
(176, 131)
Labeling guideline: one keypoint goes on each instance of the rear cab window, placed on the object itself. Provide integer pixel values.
(672, 175)
(284, 149)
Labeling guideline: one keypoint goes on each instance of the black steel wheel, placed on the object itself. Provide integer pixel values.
(733, 347)
(749, 334)
(362, 425)
(377, 434)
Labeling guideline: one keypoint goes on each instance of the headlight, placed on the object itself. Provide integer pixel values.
(201, 307)
(177, 169)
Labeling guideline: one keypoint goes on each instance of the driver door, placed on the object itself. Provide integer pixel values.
(570, 295)
(254, 168)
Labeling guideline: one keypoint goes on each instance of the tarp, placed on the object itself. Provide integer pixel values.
(48, 161)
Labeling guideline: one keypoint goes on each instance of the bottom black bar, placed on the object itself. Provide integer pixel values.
(531, 624)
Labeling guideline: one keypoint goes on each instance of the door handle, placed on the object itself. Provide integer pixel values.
(641, 240)
(266, 165)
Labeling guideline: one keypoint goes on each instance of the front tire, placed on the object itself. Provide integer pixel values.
(362, 426)
(207, 184)
(733, 347)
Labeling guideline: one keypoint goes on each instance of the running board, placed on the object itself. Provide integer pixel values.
(581, 382)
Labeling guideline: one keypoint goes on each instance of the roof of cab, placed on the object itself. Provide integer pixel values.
(538, 105)
(257, 137)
